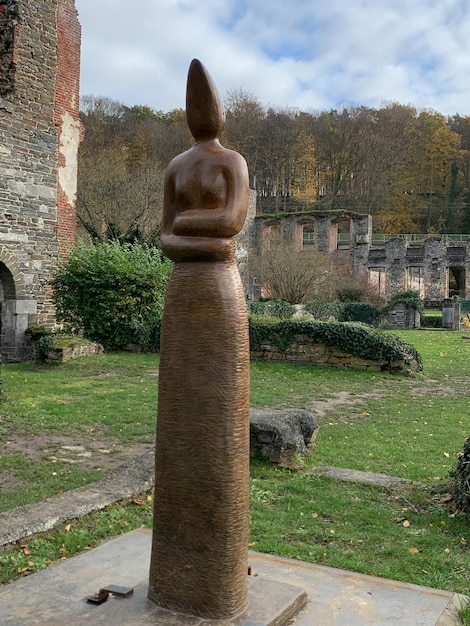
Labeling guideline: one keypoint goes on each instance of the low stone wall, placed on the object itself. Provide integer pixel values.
(307, 351)
(60, 354)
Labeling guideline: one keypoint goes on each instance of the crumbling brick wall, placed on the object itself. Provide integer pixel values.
(39, 134)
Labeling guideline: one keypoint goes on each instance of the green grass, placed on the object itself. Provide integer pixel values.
(116, 393)
(401, 533)
(412, 427)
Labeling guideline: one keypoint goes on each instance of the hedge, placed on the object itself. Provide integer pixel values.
(352, 338)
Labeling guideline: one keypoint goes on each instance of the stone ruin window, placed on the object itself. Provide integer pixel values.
(378, 278)
(270, 235)
(8, 28)
(415, 279)
(308, 235)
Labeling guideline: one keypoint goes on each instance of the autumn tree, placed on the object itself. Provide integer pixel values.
(121, 168)
(341, 153)
(409, 169)
(245, 117)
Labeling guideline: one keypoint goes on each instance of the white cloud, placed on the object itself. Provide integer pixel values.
(300, 53)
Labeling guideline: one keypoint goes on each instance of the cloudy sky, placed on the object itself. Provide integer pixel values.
(307, 54)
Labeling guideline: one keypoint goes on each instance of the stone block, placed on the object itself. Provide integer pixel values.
(279, 435)
(25, 307)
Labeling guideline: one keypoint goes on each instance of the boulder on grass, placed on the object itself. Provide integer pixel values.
(280, 434)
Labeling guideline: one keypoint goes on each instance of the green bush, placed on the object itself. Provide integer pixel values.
(461, 482)
(411, 298)
(272, 308)
(107, 290)
(42, 347)
(431, 321)
(324, 310)
(344, 311)
(352, 338)
(148, 333)
(359, 312)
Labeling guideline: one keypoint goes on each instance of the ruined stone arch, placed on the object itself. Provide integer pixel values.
(11, 278)
(17, 312)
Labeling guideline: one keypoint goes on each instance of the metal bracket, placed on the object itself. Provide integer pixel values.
(114, 590)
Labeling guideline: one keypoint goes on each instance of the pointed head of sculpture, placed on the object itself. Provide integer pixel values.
(204, 109)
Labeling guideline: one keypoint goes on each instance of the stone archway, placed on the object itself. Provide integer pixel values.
(17, 313)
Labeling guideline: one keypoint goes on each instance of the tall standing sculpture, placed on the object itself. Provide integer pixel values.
(200, 530)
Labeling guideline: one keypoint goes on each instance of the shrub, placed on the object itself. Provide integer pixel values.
(107, 290)
(148, 333)
(360, 312)
(344, 311)
(461, 483)
(411, 298)
(272, 308)
(351, 338)
(431, 321)
(324, 310)
(42, 347)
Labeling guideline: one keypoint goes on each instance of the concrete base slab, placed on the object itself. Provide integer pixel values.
(57, 596)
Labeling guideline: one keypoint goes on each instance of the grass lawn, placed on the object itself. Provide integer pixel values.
(409, 427)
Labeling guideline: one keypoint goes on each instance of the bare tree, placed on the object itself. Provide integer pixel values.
(294, 275)
(116, 199)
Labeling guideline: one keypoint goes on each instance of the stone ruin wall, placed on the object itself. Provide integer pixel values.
(39, 137)
(394, 266)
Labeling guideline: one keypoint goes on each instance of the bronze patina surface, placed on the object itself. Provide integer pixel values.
(200, 533)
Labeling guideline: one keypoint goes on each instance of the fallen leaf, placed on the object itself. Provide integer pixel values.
(314, 515)
(26, 551)
(68, 527)
(463, 541)
(446, 550)
(406, 523)
(414, 550)
(137, 501)
(446, 498)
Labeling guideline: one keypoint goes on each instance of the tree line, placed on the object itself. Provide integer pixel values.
(408, 168)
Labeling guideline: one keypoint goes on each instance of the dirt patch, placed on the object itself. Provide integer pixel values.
(321, 408)
(82, 451)
(357, 401)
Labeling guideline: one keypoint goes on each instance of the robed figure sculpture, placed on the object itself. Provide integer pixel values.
(200, 531)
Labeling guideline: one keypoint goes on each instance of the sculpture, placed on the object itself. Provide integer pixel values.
(200, 533)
